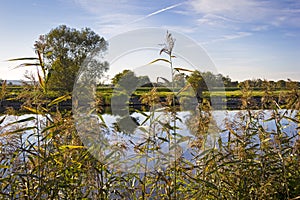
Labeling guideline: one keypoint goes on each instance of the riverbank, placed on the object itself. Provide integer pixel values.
(219, 98)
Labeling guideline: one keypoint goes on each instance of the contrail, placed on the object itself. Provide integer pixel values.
(156, 12)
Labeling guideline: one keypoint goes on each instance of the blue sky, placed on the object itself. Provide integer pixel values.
(246, 39)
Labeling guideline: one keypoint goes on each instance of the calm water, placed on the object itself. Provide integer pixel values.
(134, 131)
(120, 130)
(216, 125)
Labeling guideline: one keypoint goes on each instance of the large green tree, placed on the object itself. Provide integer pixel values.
(64, 50)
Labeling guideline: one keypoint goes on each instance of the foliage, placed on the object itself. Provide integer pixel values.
(198, 83)
(42, 156)
(127, 79)
(65, 50)
(3, 90)
(179, 80)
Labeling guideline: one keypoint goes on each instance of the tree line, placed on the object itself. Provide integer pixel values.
(205, 80)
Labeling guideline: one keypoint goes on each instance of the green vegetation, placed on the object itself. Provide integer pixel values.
(61, 53)
(47, 159)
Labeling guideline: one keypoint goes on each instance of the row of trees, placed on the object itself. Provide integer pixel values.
(197, 79)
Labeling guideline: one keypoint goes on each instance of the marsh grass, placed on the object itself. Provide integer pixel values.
(253, 162)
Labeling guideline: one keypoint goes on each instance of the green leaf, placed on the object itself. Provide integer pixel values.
(160, 59)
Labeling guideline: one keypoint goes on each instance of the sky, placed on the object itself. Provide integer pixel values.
(245, 39)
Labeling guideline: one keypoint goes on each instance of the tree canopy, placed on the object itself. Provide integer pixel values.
(64, 50)
(128, 80)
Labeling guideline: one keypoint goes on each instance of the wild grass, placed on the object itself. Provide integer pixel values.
(252, 162)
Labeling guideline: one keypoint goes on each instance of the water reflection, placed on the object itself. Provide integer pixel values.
(151, 139)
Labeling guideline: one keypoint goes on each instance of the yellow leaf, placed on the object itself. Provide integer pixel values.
(71, 147)
(60, 99)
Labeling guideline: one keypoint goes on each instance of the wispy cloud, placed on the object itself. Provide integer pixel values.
(181, 29)
(223, 6)
(215, 20)
(242, 13)
(115, 16)
(104, 7)
(260, 28)
(156, 12)
(228, 37)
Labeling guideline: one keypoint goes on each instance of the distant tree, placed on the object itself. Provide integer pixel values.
(249, 83)
(257, 83)
(234, 84)
(209, 78)
(227, 81)
(198, 84)
(126, 80)
(281, 84)
(115, 80)
(64, 49)
(196, 80)
(143, 80)
(179, 80)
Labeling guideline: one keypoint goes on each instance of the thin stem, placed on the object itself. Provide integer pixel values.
(173, 113)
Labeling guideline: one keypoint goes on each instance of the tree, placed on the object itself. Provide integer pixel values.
(64, 50)
(281, 84)
(198, 84)
(143, 80)
(227, 81)
(126, 81)
(179, 80)
(209, 78)
(115, 80)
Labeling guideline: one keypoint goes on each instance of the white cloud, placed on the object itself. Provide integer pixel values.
(115, 16)
(222, 6)
(215, 20)
(103, 7)
(181, 29)
(260, 28)
(266, 13)
(228, 37)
